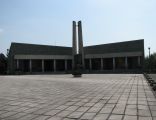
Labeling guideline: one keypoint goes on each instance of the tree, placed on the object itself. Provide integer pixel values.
(150, 63)
(3, 64)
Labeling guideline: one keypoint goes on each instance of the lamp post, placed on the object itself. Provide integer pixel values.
(149, 51)
(149, 59)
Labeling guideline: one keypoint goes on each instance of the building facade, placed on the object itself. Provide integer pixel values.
(113, 58)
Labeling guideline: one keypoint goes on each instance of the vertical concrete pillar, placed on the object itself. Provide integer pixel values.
(80, 42)
(126, 63)
(101, 63)
(65, 65)
(74, 47)
(54, 65)
(139, 62)
(30, 65)
(17, 64)
(90, 64)
(113, 63)
(42, 65)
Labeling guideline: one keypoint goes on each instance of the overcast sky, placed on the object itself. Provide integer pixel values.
(49, 22)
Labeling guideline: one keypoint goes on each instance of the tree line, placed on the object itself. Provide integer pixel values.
(150, 63)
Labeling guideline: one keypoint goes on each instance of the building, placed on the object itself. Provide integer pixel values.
(114, 57)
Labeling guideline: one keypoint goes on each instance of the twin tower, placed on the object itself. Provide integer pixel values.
(77, 49)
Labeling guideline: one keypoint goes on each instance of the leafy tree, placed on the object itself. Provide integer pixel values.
(150, 63)
(3, 64)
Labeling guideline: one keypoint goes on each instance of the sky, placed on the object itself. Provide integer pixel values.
(49, 22)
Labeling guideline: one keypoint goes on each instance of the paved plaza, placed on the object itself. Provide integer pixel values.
(62, 97)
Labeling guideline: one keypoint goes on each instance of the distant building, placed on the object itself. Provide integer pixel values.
(3, 64)
(114, 57)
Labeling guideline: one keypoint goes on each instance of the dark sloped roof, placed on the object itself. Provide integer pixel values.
(33, 49)
(127, 46)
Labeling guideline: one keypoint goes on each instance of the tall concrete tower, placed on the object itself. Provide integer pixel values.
(74, 48)
(80, 42)
(77, 49)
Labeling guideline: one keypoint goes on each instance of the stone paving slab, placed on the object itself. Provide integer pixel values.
(62, 97)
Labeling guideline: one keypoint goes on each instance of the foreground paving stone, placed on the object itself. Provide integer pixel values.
(115, 117)
(88, 116)
(17, 116)
(7, 114)
(42, 117)
(64, 113)
(76, 115)
(126, 117)
(55, 118)
(28, 117)
(62, 97)
(145, 118)
(131, 112)
(101, 117)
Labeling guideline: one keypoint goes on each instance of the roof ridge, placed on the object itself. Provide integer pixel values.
(116, 42)
(12, 43)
